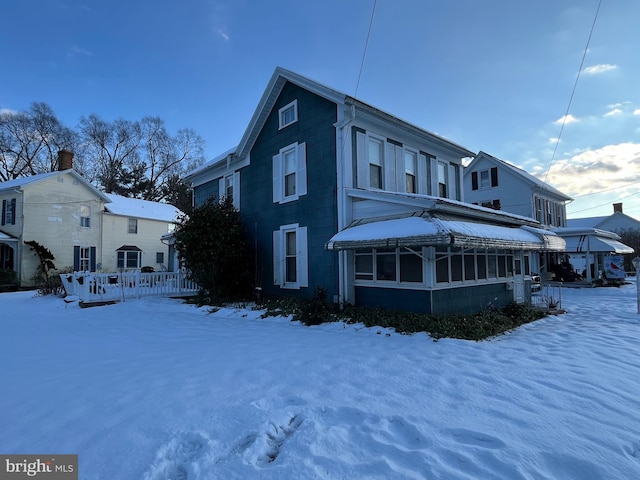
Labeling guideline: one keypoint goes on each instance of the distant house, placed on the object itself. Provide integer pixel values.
(591, 239)
(339, 195)
(494, 183)
(84, 228)
(616, 222)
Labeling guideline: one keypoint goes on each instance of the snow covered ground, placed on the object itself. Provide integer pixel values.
(155, 389)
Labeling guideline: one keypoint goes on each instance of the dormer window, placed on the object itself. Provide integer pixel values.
(288, 114)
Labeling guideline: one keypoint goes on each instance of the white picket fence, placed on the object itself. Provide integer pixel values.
(106, 287)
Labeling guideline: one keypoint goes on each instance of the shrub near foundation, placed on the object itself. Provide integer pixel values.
(478, 326)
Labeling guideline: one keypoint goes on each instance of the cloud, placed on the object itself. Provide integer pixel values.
(223, 34)
(7, 111)
(567, 119)
(598, 69)
(75, 50)
(554, 140)
(613, 113)
(595, 170)
(636, 111)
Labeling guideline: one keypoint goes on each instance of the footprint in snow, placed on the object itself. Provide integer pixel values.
(174, 461)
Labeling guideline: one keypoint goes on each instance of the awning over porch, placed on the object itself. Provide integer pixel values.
(421, 231)
(595, 244)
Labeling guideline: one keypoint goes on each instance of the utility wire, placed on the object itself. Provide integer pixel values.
(566, 114)
(364, 54)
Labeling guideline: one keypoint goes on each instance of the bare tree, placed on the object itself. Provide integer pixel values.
(30, 141)
(112, 148)
(166, 157)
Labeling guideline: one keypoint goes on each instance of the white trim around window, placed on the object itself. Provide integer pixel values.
(290, 173)
(229, 185)
(288, 115)
(290, 257)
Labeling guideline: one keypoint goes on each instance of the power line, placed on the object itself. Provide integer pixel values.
(573, 91)
(364, 53)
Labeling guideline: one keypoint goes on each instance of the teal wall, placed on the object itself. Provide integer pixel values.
(207, 190)
(317, 210)
(467, 299)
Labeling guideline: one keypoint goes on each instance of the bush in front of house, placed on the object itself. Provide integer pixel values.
(214, 246)
(477, 326)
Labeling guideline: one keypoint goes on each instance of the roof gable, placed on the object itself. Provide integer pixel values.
(519, 172)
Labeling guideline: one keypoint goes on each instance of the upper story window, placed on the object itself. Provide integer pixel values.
(85, 216)
(375, 163)
(9, 212)
(133, 225)
(442, 180)
(229, 187)
(410, 171)
(290, 173)
(288, 114)
(484, 178)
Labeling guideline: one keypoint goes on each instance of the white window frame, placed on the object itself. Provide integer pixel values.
(85, 259)
(126, 255)
(282, 114)
(280, 257)
(407, 171)
(484, 183)
(300, 150)
(85, 220)
(231, 180)
(134, 230)
(376, 256)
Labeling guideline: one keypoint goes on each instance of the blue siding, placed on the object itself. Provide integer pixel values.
(468, 299)
(317, 210)
(202, 192)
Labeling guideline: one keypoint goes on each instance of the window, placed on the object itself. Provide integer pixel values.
(375, 163)
(85, 216)
(442, 180)
(229, 187)
(159, 257)
(290, 265)
(133, 225)
(470, 265)
(290, 173)
(538, 206)
(484, 179)
(389, 265)
(410, 171)
(129, 258)
(9, 212)
(84, 259)
(288, 114)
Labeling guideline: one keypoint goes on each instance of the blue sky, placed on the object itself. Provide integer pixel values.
(492, 75)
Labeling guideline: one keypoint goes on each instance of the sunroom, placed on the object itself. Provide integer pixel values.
(439, 264)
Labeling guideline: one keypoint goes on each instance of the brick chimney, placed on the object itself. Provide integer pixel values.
(617, 208)
(65, 160)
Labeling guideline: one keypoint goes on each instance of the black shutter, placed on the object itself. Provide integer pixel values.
(4, 209)
(474, 180)
(13, 210)
(76, 258)
(92, 259)
(494, 176)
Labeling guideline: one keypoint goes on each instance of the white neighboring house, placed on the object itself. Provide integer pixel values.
(494, 183)
(84, 228)
(133, 233)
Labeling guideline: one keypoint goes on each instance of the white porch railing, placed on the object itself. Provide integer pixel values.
(547, 296)
(99, 287)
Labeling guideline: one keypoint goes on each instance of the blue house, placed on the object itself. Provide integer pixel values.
(338, 194)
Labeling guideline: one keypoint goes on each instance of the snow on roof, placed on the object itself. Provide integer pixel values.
(586, 222)
(19, 182)
(416, 231)
(134, 207)
(211, 163)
